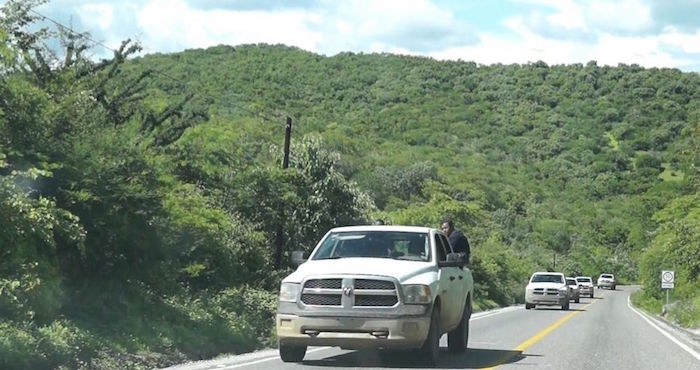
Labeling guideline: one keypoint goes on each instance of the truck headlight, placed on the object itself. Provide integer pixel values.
(417, 294)
(289, 292)
(563, 291)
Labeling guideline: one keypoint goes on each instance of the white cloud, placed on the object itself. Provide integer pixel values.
(622, 15)
(586, 16)
(577, 32)
(645, 51)
(173, 25)
(96, 15)
(569, 15)
(499, 49)
(555, 31)
(608, 49)
(413, 25)
(687, 42)
(373, 26)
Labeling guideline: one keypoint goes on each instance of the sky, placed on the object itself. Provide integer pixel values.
(651, 33)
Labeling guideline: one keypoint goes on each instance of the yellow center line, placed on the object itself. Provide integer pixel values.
(537, 337)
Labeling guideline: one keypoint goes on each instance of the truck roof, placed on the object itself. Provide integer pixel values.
(402, 228)
(548, 273)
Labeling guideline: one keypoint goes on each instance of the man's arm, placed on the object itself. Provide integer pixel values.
(467, 251)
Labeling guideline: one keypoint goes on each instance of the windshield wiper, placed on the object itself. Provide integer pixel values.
(408, 258)
(329, 258)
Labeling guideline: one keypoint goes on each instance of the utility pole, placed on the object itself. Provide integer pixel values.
(287, 138)
(279, 235)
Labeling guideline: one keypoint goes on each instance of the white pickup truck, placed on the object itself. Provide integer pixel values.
(547, 288)
(380, 287)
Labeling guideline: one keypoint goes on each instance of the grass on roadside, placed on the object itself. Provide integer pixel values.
(684, 312)
(141, 330)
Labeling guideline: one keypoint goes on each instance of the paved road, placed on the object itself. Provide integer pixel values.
(598, 333)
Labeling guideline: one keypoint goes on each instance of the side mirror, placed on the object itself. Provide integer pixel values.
(298, 257)
(460, 257)
(453, 260)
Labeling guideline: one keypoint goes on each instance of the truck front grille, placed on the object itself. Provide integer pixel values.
(374, 284)
(349, 292)
(375, 293)
(548, 291)
(321, 299)
(376, 300)
(324, 283)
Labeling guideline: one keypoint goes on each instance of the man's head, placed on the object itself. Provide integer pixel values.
(447, 226)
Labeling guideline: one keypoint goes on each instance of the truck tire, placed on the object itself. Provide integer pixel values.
(292, 353)
(578, 299)
(591, 293)
(529, 306)
(565, 306)
(388, 356)
(430, 351)
(458, 338)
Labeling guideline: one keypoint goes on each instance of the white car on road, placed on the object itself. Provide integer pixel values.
(547, 288)
(607, 281)
(574, 291)
(585, 284)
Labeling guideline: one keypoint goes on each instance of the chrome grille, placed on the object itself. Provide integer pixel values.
(349, 292)
(375, 300)
(543, 291)
(321, 299)
(324, 283)
(374, 284)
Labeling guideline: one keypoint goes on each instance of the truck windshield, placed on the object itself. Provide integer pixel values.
(413, 246)
(542, 278)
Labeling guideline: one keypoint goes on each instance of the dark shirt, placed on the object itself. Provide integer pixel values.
(460, 244)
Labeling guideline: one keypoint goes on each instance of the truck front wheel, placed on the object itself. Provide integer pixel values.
(430, 352)
(458, 338)
(292, 353)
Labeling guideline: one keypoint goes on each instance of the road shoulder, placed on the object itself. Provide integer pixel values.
(685, 339)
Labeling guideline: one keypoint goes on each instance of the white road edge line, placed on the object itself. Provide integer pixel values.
(267, 359)
(666, 334)
(476, 316)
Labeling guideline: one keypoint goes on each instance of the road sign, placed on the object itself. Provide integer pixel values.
(667, 279)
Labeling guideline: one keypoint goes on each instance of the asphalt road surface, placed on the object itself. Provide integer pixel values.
(599, 333)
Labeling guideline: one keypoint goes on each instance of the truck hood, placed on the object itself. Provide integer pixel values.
(545, 285)
(399, 269)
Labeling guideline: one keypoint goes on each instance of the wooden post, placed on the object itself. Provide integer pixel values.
(279, 235)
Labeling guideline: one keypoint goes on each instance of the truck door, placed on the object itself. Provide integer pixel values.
(449, 286)
(462, 282)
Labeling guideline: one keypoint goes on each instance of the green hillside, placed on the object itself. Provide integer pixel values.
(141, 197)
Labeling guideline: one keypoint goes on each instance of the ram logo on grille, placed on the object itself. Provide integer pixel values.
(347, 291)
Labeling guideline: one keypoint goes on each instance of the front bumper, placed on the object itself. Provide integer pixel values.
(353, 332)
(547, 300)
